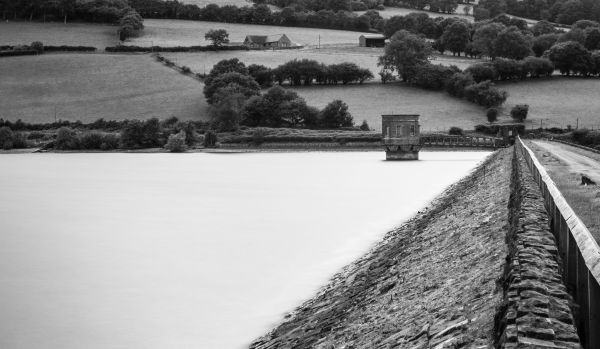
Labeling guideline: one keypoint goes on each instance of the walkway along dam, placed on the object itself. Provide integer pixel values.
(499, 260)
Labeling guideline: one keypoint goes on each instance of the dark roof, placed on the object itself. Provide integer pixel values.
(263, 39)
(373, 36)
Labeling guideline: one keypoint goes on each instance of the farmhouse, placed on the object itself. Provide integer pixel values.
(267, 41)
(374, 40)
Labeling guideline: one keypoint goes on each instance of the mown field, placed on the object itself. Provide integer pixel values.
(75, 34)
(87, 87)
(166, 32)
(368, 102)
(365, 57)
(557, 102)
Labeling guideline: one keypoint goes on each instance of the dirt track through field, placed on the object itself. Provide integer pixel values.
(575, 160)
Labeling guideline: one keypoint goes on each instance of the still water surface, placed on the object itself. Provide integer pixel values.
(189, 251)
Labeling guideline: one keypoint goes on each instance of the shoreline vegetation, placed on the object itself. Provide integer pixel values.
(441, 268)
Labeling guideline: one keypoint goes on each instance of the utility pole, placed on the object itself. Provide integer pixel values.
(319, 41)
(577, 127)
(55, 115)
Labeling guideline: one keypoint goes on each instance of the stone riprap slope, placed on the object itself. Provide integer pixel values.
(537, 311)
(432, 283)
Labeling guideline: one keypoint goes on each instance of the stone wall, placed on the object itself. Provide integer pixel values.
(537, 309)
(432, 283)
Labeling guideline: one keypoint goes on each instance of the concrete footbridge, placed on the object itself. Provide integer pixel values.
(403, 140)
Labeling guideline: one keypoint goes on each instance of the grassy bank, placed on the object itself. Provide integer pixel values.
(431, 281)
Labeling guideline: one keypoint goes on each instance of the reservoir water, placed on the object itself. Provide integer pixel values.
(189, 250)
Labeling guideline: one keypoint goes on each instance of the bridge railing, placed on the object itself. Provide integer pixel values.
(462, 141)
(579, 251)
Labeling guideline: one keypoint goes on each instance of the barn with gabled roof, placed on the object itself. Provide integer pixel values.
(267, 41)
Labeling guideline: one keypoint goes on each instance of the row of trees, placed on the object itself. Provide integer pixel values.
(236, 100)
(307, 72)
(107, 11)
(501, 36)
(559, 11)
(317, 5)
(257, 14)
(408, 55)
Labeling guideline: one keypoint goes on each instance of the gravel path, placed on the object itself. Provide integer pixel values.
(576, 159)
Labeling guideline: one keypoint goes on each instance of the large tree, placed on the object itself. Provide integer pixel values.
(511, 43)
(456, 37)
(335, 115)
(244, 84)
(217, 36)
(571, 57)
(404, 52)
(485, 36)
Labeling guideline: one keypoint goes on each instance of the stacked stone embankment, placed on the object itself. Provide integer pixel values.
(433, 283)
(537, 311)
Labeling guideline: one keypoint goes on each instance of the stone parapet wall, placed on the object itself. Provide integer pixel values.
(537, 310)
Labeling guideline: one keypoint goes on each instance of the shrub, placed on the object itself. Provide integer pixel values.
(335, 115)
(488, 130)
(364, 126)
(519, 112)
(455, 131)
(98, 141)
(6, 138)
(37, 46)
(492, 114)
(433, 77)
(141, 134)
(258, 136)
(536, 66)
(91, 140)
(66, 139)
(109, 142)
(176, 142)
(36, 135)
(485, 94)
(210, 139)
(386, 76)
(482, 72)
(507, 69)
(186, 69)
(457, 84)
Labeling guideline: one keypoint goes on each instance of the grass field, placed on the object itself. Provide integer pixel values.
(557, 102)
(368, 102)
(363, 56)
(166, 32)
(85, 34)
(87, 87)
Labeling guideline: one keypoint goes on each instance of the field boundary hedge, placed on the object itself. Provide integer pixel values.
(133, 48)
(18, 53)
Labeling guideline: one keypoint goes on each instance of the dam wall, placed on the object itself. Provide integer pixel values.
(537, 308)
(578, 252)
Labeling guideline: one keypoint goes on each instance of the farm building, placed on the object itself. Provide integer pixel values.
(267, 41)
(374, 40)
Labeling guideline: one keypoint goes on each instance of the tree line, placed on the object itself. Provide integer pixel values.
(235, 98)
(257, 14)
(104, 11)
(559, 11)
